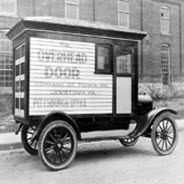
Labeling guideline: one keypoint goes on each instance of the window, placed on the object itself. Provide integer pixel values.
(123, 59)
(123, 64)
(72, 9)
(103, 59)
(123, 13)
(165, 64)
(165, 20)
(5, 61)
(8, 7)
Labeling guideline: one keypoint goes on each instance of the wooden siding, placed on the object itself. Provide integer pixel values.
(62, 78)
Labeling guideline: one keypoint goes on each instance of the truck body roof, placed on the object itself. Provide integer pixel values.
(73, 26)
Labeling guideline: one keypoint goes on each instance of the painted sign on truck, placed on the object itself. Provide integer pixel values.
(62, 77)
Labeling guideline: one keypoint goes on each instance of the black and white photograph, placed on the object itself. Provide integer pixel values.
(91, 91)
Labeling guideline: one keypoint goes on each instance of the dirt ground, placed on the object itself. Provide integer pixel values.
(105, 162)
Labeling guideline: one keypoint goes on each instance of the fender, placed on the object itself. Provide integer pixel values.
(56, 115)
(145, 121)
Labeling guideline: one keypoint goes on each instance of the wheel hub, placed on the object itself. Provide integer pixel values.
(164, 135)
(59, 145)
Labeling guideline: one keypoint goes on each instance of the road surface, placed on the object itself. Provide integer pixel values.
(105, 162)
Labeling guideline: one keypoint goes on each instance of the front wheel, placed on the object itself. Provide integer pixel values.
(164, 135)
(57, 145)
(129, 141)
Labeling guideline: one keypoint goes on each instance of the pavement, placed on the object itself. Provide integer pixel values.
(10, 141)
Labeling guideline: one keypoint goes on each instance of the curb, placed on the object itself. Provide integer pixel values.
(11, 146)
(10, 141)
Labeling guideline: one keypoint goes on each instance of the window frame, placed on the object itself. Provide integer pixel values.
(166, 74)
(9, 13)
(6, 71)
(97, 71)
(75, 4)
(165, 19)
(124, 12)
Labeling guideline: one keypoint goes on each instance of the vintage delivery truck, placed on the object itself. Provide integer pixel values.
(78, 81)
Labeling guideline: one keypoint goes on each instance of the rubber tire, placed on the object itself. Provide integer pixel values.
(57, 123)
(25, 143)
(127, 144)
(153, 134)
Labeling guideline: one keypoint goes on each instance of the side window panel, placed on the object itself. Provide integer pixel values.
(123, 60)
(123, 63)
(103, 59)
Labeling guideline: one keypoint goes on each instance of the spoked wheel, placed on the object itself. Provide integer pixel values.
(57, 145)
(129, 141)
(26, 134)
(164, 135)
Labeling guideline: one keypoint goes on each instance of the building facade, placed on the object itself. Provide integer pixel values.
(161, 57)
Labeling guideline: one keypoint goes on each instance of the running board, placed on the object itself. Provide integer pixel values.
(107, 135)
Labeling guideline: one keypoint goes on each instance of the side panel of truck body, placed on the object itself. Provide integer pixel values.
(62, 77)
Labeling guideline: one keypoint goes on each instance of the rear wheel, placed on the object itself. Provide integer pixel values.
(26, 136)
(164, 134)
(129, 141)
(57, 145)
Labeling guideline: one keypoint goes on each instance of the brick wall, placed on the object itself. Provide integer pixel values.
(135, 14)
(152, 45)
(86, 10)
(7, 22)
(107, 11)
(25, 8)
(182, 38)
